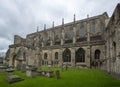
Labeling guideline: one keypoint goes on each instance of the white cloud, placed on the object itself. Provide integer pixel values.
(23, 16)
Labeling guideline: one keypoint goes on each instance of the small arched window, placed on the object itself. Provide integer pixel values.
(56, 55)
(45, 56)
(97, 54)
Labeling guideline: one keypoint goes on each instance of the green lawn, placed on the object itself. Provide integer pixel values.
(70, 78)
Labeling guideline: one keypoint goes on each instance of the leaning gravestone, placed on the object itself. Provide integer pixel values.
(57, 74)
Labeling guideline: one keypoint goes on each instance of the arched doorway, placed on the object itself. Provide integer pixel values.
(80, 55)
(97, 54)
(66, 55)
(13, 59)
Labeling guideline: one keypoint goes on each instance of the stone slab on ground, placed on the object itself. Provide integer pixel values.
(13, 78)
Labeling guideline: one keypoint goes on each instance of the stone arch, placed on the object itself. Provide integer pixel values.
(80, 55)
(14, 55)
(66, 55)
(97, 54)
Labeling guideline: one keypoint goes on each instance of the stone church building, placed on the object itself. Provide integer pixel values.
(90, 42)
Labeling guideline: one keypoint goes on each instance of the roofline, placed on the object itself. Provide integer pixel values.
(70, 23)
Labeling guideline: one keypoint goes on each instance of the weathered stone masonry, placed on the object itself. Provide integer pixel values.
(91, 42)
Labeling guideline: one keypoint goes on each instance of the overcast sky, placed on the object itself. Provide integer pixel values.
(22, 17)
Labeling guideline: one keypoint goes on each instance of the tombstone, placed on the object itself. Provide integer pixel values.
(49, 66)
(23, 68)
(31, 71)
(66, 67)
(57, 74)
(49, 74)
(3, 68)
(44, 73)
(62, 67)
(39, 72)
(18, 67)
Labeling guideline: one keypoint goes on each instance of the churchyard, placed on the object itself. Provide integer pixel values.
(72, 77)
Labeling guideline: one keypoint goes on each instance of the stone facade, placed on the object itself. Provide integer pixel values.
(112, 45)
(87, 43)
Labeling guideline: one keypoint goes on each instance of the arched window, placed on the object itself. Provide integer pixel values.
(24, 55)
(45, 56)
(114, 50)
(93, 27)
(56, 55)
(97, 54)
(80, 55)
(66, 55)
(71, 34)
(82, 31)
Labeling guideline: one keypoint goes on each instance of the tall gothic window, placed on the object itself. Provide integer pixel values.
(82, 31)
(45, 56)
(56, 55)
(80, 55)
(93, 27)
(66, 55)
(114, 50)
(71, 34)
(97, 54)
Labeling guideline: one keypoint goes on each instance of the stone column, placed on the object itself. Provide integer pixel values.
(88, 30)
(42, 44)
(62, 37)
(50, 57)
(60, 57)
(51, 43)
(73, 57)
(74, 38)
(88, 56)
(88, 60)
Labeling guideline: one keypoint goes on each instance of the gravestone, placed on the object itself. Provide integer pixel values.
(23, 67)
(39, 72)
(18, 67)
(31, 71)
(49, 74)
(57, 74)
(3, 68)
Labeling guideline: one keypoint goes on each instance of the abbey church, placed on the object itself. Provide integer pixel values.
(90, 42)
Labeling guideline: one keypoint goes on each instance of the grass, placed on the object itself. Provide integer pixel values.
(70, 78)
